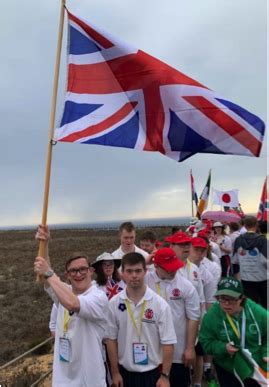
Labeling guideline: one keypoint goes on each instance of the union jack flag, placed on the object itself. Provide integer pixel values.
(112, 288)
(120, 96)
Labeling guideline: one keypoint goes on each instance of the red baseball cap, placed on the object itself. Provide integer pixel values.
(166, 258)
(158, 243)
(204, 233)
(180, 237)
(199, 242)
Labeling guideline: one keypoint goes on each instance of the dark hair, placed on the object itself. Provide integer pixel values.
(234, 226)
(128, 226)
(175, 229)
(243, 300)
(263, 227)
(75, 256)
(250, 221)
(148, 236)
(133, 259)
(209, 251)
(100, 276)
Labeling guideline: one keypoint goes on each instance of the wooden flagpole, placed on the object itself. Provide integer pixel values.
(42, 244)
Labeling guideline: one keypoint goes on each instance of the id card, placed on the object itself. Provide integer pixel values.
(65, 349)
(140, 353)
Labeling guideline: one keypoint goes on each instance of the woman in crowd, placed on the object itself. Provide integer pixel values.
(234, 330)
(225, 245)
(108, 277)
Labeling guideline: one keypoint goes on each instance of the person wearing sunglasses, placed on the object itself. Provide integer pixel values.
(82, 311)
(234, 332)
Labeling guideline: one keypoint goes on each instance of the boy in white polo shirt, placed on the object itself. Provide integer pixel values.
(185, 306)
(127, 236)
(141, 334)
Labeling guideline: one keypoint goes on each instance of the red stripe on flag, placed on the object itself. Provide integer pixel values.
(104, 42)
(154, 119)
(130, 72)
(230, 126)
(97, 128)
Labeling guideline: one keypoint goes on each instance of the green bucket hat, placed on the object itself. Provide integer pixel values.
(230, 286)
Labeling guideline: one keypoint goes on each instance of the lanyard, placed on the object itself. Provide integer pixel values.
(236, 329)
(158, 291)
(66, 320)
(130, 312)
(188, 264)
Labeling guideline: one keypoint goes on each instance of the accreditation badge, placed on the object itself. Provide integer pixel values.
(65, 349)
(140, 353)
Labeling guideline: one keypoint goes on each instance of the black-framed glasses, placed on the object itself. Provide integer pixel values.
(81, 270)
(227, 300)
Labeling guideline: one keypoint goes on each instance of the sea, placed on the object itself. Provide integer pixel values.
(111, 224)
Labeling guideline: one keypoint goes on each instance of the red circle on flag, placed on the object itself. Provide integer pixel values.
(226, 198)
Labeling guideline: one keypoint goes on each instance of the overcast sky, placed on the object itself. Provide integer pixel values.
(221, 43)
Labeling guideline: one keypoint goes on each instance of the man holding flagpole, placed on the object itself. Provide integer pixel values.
(81, 322)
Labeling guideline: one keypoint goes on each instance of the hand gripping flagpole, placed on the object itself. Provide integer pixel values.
(42, 244)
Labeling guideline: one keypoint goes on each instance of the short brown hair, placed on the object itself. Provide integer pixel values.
(128, 226)
(148, 236)
(250, 221)
(75, 256)
(133, 259)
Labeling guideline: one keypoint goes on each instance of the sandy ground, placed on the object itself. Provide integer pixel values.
(30, 365)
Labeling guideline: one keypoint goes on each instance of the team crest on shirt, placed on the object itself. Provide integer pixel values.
(242, 252)
(195, 274)
(149, 316)
(176, 295)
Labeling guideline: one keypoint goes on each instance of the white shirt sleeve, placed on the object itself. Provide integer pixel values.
(93, 306)
(113, 327)
(166, 325)
(192, 303)
(209, 284)
(53, 318)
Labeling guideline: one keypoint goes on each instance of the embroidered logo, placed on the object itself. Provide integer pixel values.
(176, 292)
(122, 307)
(149, 314)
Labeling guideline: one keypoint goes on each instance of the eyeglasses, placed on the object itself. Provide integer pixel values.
(228, 300)
(81, 270)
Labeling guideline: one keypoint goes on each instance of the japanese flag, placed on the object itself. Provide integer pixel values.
(226, 198)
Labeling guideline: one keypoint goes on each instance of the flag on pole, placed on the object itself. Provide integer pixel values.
(263, 207)
(120, 96)
(204, 197)
(226, 198)
(193, 190)
(246, 367)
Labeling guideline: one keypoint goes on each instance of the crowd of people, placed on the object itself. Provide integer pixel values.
(166, 313)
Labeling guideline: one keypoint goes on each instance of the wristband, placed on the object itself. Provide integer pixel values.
(165, 375)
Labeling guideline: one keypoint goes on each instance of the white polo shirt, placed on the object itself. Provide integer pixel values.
(184, 302)
(213, 268)
(191, 272)
(157, 328)
(119, 253)
(209, 284)
(86, 330)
